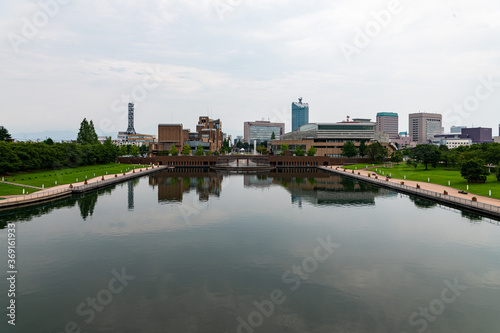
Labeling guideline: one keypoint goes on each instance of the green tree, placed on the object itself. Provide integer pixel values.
(363, 148)
(186, 150)
(284, 147)
(87, 134)
(9, 161)
(299, 151)
(199, 151)
(4, 134)
(262, 150)
(426, 154)
(143, 150)
(273, 136)
(48, 141)
(377, 152)
(135, 151)
(474, 171)
(174, 151)
(349, 149)
(411, 163)
(497, 173)
(312, 151)
(397, 157)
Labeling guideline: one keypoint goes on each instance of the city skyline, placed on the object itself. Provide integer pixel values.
(175, 60)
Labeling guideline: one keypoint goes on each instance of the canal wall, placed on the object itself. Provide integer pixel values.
(274, 160)
(446, 199)
(58, 192)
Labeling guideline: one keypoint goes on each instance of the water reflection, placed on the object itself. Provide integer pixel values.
(423, 203)
(249, 239)
(86, 204)
(312, 186)
(318, 187)
(172, 185)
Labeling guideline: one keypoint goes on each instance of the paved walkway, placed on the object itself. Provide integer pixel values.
(16, 184)
(427, 186)
(47, 191)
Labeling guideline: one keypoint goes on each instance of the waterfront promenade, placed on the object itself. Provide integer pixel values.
(80, 187)
(483, 204)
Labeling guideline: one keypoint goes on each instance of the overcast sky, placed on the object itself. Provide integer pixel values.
(245, 60)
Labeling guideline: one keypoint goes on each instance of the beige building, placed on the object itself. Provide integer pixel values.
(454, 143)
(424, 126)
(136, 139)
(329, 138)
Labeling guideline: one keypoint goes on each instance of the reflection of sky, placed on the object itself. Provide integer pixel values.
(199, 274)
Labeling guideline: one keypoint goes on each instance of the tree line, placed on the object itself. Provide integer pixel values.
(375, 151)
(472, 160)
(28, 156)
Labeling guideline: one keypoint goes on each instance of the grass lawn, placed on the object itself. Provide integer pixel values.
(441, 176)
(360, 166)
(66, 175)
(6, 189)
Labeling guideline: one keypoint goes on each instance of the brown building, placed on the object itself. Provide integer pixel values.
(208, 135)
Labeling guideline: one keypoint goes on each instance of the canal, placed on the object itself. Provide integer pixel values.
(287, 251)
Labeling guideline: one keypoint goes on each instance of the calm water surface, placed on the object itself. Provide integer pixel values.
(283, 252)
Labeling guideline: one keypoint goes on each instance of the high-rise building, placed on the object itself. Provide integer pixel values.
(423, 126)
(300, 114)
(388, 122)
(262, 131)
(456, 129)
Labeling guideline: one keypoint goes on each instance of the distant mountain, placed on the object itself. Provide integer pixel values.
(54, 135)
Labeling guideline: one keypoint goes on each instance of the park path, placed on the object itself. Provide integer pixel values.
(92, 181)
(427, 186)
(22, 185)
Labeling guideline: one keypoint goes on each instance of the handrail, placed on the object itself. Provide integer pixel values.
(69, 190)
(407, 188)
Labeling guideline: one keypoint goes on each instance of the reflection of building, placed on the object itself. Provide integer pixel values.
(257, 180)
(208, 135)
(331, 190)
(300, 114)
(329, 138)
(388, 122)
(173, 185)
(262, 131)
(424, 126)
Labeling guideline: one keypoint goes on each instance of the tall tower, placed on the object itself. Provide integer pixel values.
(300, 114)
(130, 129)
